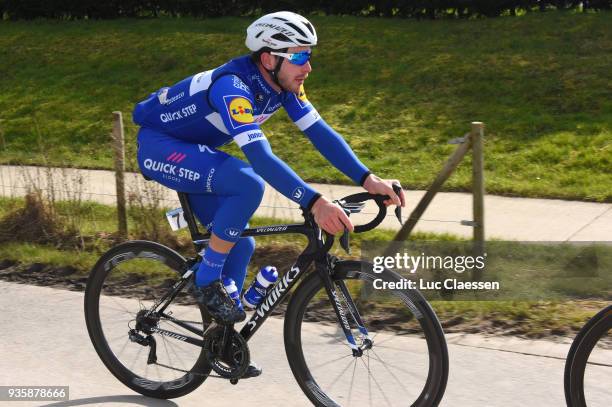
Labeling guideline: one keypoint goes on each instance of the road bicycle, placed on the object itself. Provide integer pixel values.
(344, 340)
(580, 358)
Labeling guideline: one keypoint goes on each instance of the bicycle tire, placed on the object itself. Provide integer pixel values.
(578, 356)
(95, 284)
(437, 356)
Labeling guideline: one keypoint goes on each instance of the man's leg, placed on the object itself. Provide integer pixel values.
(205, 207)
(185, 167)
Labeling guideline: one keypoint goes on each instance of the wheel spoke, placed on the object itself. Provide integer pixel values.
(391, 373)
(401, 369)
(341, 372)
(332, 361)
(377, 384)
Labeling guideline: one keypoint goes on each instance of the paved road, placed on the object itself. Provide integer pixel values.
(43, 341)
(505, 218)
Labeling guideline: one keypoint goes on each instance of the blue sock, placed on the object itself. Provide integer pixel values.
(210, 267)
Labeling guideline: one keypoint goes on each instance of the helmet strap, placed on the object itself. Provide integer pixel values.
(274, 72)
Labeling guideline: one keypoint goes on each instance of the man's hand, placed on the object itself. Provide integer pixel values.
(330, 217)
(378, 186)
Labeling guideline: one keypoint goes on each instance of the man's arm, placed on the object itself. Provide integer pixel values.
(335, 149)
(325, 139)
(234, 104)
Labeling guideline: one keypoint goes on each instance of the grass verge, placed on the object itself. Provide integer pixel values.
(540, 82)
(50, 265)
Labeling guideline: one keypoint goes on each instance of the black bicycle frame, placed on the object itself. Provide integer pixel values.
(316, 251)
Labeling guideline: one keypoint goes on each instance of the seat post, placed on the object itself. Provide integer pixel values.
(188, 214)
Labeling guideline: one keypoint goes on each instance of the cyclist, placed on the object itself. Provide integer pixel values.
(183, 125)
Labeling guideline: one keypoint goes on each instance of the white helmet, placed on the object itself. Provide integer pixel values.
(280, 30)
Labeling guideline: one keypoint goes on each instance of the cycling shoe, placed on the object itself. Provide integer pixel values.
(218, 303)
(252, 371)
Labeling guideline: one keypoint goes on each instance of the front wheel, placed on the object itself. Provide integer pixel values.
(403, 359)
(588, 363)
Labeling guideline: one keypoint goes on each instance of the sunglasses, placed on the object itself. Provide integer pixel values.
(297, 58)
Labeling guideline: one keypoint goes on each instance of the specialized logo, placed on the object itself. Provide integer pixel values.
(271, 229)
(298, 194)
(176, 157)
(205, 149)
(232, 232)
(278, 28)
(169, 334)
(259, 97)
(239, 109)
(341, 311)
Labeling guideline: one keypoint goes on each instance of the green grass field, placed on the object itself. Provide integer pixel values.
(398, 92)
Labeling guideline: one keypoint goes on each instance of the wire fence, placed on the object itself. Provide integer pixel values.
(89, 196)
(71, 190)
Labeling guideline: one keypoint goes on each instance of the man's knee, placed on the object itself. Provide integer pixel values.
(254, 185)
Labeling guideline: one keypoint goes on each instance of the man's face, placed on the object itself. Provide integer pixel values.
(291, 76)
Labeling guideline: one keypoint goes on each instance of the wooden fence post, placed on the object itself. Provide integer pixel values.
(478, 189)
(450, 165)
(119, 150)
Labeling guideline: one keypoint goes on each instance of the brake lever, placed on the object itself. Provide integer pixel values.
(344, 241)
(348, 209)
(398, 209)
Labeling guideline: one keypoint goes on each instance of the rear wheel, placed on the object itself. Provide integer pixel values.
(406, 362)
(123, 285)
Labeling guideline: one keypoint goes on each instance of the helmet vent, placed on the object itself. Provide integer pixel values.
(280, 18)
(281, 37)
(309, 26)
(302, 41)
(259, 34)
(296, 28)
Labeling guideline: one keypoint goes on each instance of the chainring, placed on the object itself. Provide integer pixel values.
(236, 363)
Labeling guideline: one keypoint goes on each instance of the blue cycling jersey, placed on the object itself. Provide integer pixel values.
(229, 103)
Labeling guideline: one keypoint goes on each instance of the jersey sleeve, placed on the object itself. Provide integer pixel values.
(325, 139)
(232, 98)
(300, 110)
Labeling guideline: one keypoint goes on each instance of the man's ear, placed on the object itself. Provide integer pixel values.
(267, 60)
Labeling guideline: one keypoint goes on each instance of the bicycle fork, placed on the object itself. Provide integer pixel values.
(335, 299)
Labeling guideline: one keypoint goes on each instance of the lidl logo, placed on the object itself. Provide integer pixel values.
(301, 97)
(241, 110)
(302, 94)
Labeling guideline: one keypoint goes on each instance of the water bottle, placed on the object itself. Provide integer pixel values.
(257, 290)
(232, 290)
